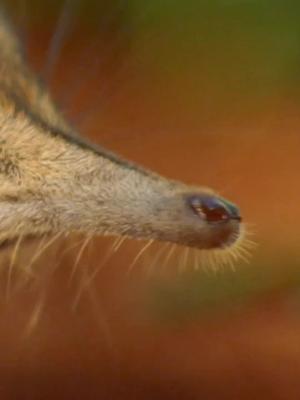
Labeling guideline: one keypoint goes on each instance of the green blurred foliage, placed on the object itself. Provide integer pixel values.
(244, 47)
(197, 294)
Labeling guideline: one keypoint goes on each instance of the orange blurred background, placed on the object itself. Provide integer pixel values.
(208, 94)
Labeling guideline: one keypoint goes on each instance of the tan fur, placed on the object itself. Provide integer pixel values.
(50, 183)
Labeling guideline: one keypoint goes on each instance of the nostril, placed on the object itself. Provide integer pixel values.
(213, 209)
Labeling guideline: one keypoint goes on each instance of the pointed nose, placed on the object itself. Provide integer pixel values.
(213, 209)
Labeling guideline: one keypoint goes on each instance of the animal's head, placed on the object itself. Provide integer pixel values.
(52, 181)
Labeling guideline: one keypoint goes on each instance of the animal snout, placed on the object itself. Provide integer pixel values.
(213, 209)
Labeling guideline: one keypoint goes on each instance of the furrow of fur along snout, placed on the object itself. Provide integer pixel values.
(53, 181)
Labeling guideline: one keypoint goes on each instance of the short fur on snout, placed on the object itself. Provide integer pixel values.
(52, 181)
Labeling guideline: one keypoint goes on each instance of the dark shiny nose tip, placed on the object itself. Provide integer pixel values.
(214, 209)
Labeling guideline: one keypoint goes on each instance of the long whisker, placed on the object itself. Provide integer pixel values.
(27, 268)
(69, 248)
(43, 249)
(74, 88)
(90, 278)
(168, 256)
(79, 256)
(118, 243)
(196, 260)
(249, 244)
(102, 322)
(59, 36)
(13, 259)
(140, 253)
(184, 259)
(157, 257)
(35, 317)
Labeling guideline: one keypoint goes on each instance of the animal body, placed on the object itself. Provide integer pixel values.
(53, 181)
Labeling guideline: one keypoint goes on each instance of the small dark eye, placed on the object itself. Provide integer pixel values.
(213, 208)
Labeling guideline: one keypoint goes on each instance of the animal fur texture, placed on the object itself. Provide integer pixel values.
(52, 181)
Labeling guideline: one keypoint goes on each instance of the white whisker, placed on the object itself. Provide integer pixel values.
(140, 253)
(184, 259)
(13, 259)
(79, 256)
(168, 256)
(41, 250)
(163, 248)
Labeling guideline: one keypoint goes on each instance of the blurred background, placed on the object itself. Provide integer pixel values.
(205, 92)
